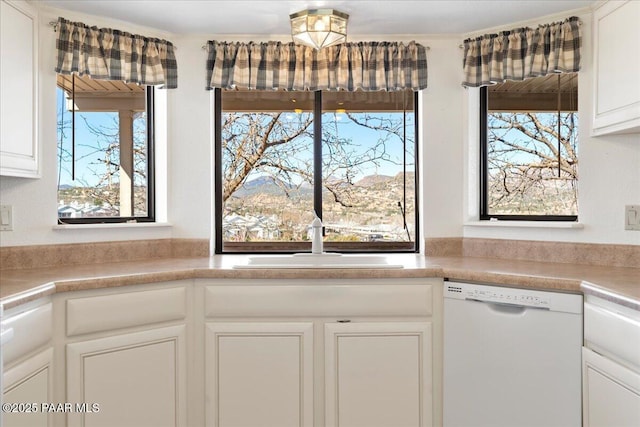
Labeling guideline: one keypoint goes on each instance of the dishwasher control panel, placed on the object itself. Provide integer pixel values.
(497, 295)
(502, 294)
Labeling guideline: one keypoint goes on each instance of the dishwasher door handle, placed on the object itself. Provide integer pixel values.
(505, 307)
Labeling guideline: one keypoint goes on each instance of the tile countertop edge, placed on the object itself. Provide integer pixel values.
(329, 273)
(463, 269)
(512, 279)
(604, 293)
(122, 280)
(112, 281)
(28, 295)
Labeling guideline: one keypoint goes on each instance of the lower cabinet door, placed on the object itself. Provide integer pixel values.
(611, 392)
(378, 374)
(259, 374)
(27, 391)
(136, 379)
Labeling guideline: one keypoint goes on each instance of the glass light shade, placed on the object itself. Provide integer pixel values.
(319, 28)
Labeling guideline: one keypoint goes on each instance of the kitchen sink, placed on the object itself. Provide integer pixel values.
(324, 260)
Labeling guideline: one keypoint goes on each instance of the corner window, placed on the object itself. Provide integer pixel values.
(105, 151)
(348, 156)
(529, 149)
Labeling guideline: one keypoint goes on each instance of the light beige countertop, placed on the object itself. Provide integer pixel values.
(18, 286)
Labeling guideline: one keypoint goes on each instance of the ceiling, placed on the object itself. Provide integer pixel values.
(85, 84)
(367, 17)
(536, 94)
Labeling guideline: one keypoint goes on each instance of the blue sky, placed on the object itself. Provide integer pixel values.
(88, 164)
(85, 144)
(368, 137)
(362, 139)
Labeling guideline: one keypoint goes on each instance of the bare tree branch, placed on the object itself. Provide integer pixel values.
(523, 162)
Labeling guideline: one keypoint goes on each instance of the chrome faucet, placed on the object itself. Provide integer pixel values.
(316, 243)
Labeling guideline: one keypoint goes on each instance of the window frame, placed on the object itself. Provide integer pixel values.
(294, 247)
(484, 174)
(151, 205)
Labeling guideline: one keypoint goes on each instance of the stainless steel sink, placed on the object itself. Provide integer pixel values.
(324, 260)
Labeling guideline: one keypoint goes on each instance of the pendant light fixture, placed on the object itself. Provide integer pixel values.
(319, 28)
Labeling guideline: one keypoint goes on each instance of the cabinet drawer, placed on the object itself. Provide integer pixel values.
(309, 300)
(107, 312)
(31, 330)
(613, 334)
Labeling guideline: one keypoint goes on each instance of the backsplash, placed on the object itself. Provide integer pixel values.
(610, 255)
(38, 256)
(443, 246)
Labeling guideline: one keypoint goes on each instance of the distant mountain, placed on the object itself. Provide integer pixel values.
(411, 177)
(376, 180)
(269, 185)
(371, 180)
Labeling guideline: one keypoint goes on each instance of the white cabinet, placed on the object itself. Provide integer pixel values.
(259, 374)
(610, 364)
(611, 393)
(378, 374)
(232, 352)
(323, 353)
(19, 154)
(29, 384)
(616, 38)
(126, 352)
(136, 379)
(28, 364)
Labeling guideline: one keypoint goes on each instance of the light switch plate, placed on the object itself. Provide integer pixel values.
(6, 218)
(632, 217)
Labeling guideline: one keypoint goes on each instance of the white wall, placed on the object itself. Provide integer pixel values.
(190, 143)
(442, 125)
(609, 170)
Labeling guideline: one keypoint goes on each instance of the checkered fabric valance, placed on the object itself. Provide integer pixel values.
(103, 53)
(367, 66)
(522, 53)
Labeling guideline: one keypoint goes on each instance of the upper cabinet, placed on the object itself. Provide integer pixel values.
(19, 154)
(616, 38)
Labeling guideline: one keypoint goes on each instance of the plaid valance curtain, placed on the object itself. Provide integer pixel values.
(103, 53)
(522, 53)
(369, 66)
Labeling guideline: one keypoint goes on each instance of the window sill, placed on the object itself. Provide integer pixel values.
(111, 226)
(525, 224)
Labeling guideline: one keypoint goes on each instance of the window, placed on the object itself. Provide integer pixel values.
(105, 151)
(348, 156)
(529, 149)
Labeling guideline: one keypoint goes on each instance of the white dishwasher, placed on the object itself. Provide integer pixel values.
(512, 357)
